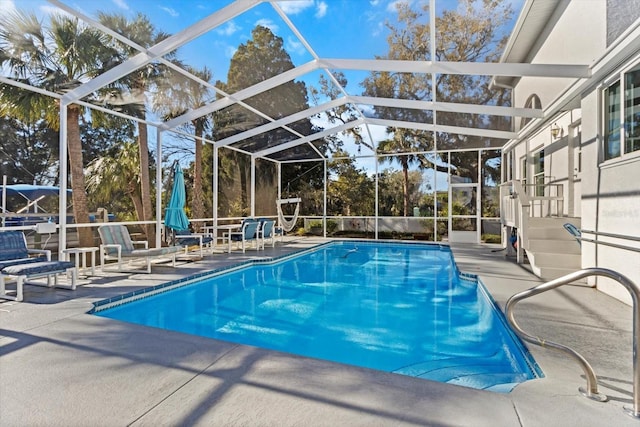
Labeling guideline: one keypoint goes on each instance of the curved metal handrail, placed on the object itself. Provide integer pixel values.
(592, 382)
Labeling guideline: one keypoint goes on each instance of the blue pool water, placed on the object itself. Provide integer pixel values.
(400, 308)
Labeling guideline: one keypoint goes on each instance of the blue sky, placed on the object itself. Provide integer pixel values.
(333, 28)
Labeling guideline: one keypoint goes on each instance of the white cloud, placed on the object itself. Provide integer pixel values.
(295, 7)
(228, 29)
(229, 51)
(170, 11)
(7, 6)
(321, 9)
(48, 10)
(378, 29)
(122, 4)
(293, 45)
(269, 24)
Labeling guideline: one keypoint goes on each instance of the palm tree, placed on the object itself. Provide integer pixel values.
(403, 141)
(57, 59)
(110, 176)
(141, 31)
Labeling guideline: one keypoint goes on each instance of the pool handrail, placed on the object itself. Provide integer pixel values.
(591, 391)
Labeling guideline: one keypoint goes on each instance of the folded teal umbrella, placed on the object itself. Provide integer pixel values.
(175, 218)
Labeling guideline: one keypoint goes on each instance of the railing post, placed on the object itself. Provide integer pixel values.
(592, 387)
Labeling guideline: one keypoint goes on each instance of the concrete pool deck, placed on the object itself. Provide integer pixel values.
(62, 366)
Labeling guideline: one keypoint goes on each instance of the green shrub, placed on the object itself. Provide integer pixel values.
(332, 225)
(491, 238)
(315, 224)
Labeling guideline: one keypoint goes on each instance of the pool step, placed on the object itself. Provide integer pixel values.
(467, 372)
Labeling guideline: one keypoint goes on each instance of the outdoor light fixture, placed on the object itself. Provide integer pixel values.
(556, 131)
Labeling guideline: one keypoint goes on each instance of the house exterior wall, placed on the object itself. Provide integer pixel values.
(611, 205)
(567, 43)
(620, 15)
(605, 195)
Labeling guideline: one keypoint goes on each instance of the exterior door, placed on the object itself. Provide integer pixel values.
(464, 213)
(574, 196)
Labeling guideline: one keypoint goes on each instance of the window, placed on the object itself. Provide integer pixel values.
(616, 142)
(523, 170)
(612, 122)
(538, 172)
(632, 111)
(532, 102)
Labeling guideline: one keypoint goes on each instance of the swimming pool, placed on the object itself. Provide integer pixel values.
(395, 307)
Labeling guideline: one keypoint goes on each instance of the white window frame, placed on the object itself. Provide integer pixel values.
(620, 79)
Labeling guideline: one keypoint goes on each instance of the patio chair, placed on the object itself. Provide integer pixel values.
(267, 232)
(117, 244)
(248, 233)
(278, 231)
(16, 262)
(186, 238)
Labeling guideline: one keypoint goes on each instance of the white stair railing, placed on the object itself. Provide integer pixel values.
(515, 207)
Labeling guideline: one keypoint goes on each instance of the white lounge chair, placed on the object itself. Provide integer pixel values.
(117, 244)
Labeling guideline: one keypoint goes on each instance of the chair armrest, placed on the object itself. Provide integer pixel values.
(141, 242)
(47, 252)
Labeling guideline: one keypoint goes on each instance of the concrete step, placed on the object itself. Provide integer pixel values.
(554, 246)
(554, 222)
(552, 233)
(565, 260)
(550, 273)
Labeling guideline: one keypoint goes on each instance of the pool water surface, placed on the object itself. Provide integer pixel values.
(401, 308)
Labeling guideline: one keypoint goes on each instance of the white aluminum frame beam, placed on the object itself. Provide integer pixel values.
(487, 133)
(452, 107)
(281, 122)
(164, 47)
(467, 68)
(389, 102)
(472, 68)
(244, 94)
(310, 138)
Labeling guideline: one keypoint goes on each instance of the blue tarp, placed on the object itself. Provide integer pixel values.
(31, 192)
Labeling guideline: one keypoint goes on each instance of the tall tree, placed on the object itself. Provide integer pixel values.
(260, 58)
(175, 97)
(57, 59)
(29, 152)
(469, 33)
(391, 187)
(351, 192)
(133, 87)
(341, 114)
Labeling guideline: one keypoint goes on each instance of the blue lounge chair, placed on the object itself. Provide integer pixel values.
(248, 233)
(16, 262)
(117, 244)
(267, 232)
